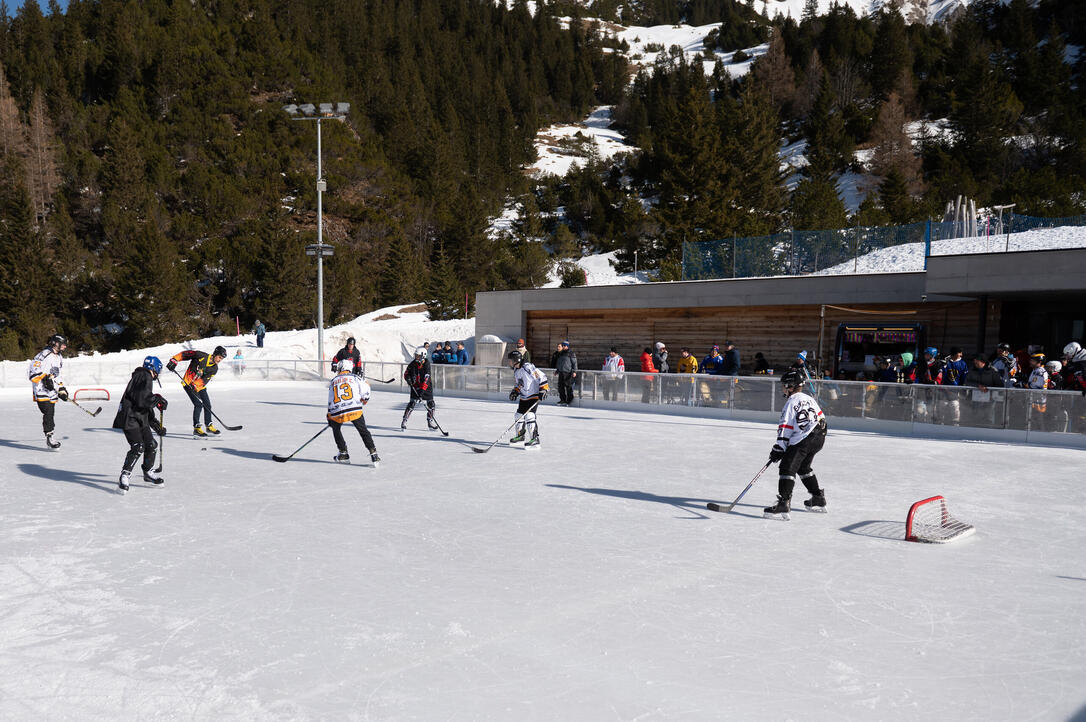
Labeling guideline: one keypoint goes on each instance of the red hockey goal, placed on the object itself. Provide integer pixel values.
(930, 520)
(91, 395)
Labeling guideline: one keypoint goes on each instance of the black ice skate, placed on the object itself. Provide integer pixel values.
(342, 457)
(122, 483)
(50, 442)
(518, 438)
(780, 509)
(150, 476)
(532, 443)
(375, 459)
(817, 502)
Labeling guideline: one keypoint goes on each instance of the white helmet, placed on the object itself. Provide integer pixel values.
(420, 351)
(344, 365)
(1072, 350)
(1053, 367)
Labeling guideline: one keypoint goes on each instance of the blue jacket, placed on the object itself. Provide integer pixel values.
(712, 366)
(462, 357)
(954, 372)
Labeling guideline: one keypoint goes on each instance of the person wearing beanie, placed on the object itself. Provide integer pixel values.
(800, 365)
(525, 354)
(659, 358)
(564, 362)
(907, 373)
(731, 359)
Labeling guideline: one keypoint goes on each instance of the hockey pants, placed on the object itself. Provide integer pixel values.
(200, 400)
(797, 460)
(360, 424)
(416, 398)
(140, 441)
(47, 408)
(526, 417)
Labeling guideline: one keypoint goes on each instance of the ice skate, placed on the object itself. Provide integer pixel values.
(50, 442)
(375, 459)
(150, 476)
(122, 483)
(779, 510)
(817, 502)
(518, 438)
(211, 429)
(342, 457)
(532, 443)
(198, 431)
(403, 425)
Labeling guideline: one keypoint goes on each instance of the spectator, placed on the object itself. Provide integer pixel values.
(238, 363)
(1006, 365)
(1038, 376)
(731, 360)
(982, 376)
(713, 364)
(885, 374)
(659, 358)
(461, 355)
(525, 354)
(954, 367)
(931, 371)
(1038, 381)
(349, 351)
(564, 362)
(687, 364)
(437, 355)
(1074, 367)
(259, 330)
(449, 354)
(761, 366)
(613, 367)
(907, 369)
(647, 368)
(1055, 380)
(800, 365)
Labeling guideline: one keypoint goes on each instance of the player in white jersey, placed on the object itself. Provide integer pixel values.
(800, 436)
(529, 390)
(44, 373)
(347, 394)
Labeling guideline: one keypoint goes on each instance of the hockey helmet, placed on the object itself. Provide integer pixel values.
(219, 351)
(792, 380)
(1004, 347)
(1054, 367)
(516, 358)
(1039, 358)
(344, 365)
(420, 352)
(153, 363)
(931, 351)
(57, 340)
(350, 341)
(1071, 350)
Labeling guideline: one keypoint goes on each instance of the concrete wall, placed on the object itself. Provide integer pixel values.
(1008, 273)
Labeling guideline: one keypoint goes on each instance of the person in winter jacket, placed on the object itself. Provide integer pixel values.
(351, 353)
(525, 354)
(135, 416)
(955, 367)
(687, 364)
(731, 360)
(417, 376)
(202, 368)
(564, 362)
(648, 368)
(1055, 379)
(931, 370)
(761, 366)
(1074, 367)
(613, 367)
(659, 358)
(907, 369)
(713, 364)
(983, 376)
(1006, 365)
(461, 355)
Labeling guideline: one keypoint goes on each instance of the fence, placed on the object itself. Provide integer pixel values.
(1053, 417)
(843, 250)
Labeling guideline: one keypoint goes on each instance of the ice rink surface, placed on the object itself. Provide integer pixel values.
(581, 581)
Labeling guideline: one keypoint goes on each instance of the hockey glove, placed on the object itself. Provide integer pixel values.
(543, 393)
(62, 393)
(171, 364)
(776, 453)
(160, 403)
(157, 427)
(514, 394)
(47, 383)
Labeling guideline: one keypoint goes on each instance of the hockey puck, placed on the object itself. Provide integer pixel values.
(204, 449)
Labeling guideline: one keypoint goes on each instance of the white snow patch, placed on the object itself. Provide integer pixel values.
(563, 147)
(599, 272)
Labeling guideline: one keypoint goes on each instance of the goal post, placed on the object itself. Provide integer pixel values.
(91, 395)
(930, 521)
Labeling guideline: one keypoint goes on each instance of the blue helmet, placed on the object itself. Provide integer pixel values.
(931, 351)
(152, 363)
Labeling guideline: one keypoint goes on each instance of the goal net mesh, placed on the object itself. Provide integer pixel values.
(930, 520)
(91, 395)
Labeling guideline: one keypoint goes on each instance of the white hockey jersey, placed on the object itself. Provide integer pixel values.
(799, 417)
(46, 364)
(347, 394)
(529, 380)
(1038, 378)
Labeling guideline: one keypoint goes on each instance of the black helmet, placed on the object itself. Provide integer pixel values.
(219, 351)
(515, 356)
(1003, 347)
(57, 340)
(792, 379)
(350, 341)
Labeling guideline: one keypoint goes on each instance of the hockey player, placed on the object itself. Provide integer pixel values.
(347, 394)
(529, 390)
(800, 436)
(1074, 367)
(202, 367)
(135, 416)
(417, 376)
(44, 373)
(349, 351)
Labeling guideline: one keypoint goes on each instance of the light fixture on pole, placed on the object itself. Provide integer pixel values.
(325, 111)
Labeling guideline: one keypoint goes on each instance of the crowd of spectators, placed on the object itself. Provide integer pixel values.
(446, 354)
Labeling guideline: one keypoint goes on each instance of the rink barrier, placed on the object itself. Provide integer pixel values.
(1055, 418)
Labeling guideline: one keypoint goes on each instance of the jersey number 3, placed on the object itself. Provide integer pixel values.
(343, 392)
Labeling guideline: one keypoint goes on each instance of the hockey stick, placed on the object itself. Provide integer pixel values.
(434, 419)
(225, 425)
(84, 409)
(161, 443)
(483, 451)
(713, 506)
(382, 381)
(277, 457)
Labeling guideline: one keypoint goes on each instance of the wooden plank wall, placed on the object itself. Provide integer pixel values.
(779, 332)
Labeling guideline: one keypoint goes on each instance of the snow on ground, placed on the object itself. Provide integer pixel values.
(910, 256)
(563, 147)
(582, 581)
(387, 334)
(649, 43)
(852, 187)
(936, 10)
(599, 272)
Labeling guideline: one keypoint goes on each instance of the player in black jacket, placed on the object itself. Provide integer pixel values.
(202, 367)
(417, 376)
(136, 417)
(349, 351)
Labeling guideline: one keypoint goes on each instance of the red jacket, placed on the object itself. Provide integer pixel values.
(646, 363)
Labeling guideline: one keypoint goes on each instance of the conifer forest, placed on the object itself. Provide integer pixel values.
(153, 189)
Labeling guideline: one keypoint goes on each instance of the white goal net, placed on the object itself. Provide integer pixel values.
(930, 520)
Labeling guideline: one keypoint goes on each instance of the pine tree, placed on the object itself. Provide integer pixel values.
(43, 176)
(446, 298)
(773, 71)
(892, 146)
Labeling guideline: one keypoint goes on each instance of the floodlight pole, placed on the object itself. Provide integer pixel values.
(326, 111)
